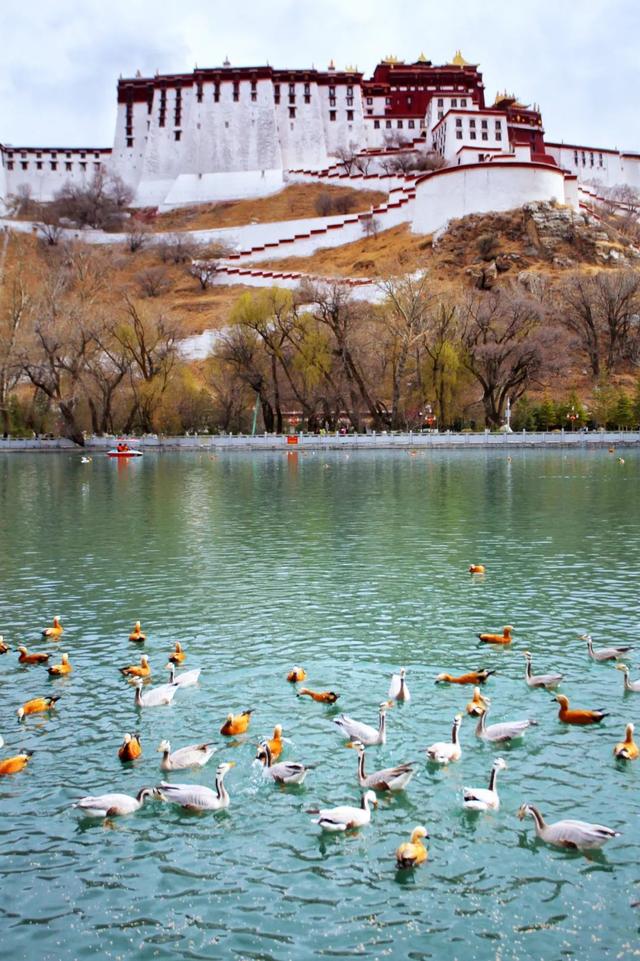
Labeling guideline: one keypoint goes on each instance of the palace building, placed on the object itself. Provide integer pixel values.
(230, 132)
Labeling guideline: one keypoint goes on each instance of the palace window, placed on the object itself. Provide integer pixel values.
(349, 114)
(349, 101)
(216, 93)
(369, 113)
(38, 165)
(399, 125)
(292, 98)
(307, 98)
(412, 124)
(292, 89)
(484, 124)
(387, 124)
(472, 134)
(349, 91)
(498, 135)
(440, 102)
(472, 123)
(369, 101)
(276, 93)
(376, 125)
(591, 158)
(485, 135)
(332, 114)
(96, 166)
(54, 165)
(454, 102)
(600, 163)
(292, 113)
(9, 164)
(584, 159)
(199, 92)
(68, 165)
(440, 114)
(83, 165)
(332, 91)
(254, 91)
(236, 91)
(161, 120)
(463, 102)
(458, 121)
(498, 125)
(177, 134)
(24, 164)
(130, 139)
(458, 134)
(307, 90)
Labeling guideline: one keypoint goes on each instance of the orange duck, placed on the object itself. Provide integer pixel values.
(478, 704)
(12, 765)
(297, 674)
(577, 716)
(136, 633)
(473, 677)
(504, 638)
(177, 655)
(130, 749)
(37, 705)
(3, 647)
(26, 658)
(236, 723)
(137, 670)
(275, 744)
(627, 750)
(476, 569)
(59, 670)
(56, 631)
(323, 697)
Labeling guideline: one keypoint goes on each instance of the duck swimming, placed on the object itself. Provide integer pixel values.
(297, 674)
(185, 678)
(178, 656)
(604, 653)
(275, 742)
(26, 658)
(346, 817)
(478, 703)
(506, 731)
(504, 638)
(198, 797)
(579, 835)
(485, 799)
(56, 630)
(61, 669)
(628, 685)
(627, 750)
(473, 677)
(15, 764)
(476, 569)
(322, 697)
(3, 647)
(577, 716)
(37, 705)
(283, 772)
(137, 670)
(236, 723)
(137, 634)
(155, 696)
(413, 852)
(131, 748)
(443, 752)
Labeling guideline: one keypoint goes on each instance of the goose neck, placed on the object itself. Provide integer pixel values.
(454, 732)
(493, 778)
(537, 817)
(221, 790)
(361, 774)
(382, 727)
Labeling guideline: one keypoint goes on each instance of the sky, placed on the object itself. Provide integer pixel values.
(60, 61)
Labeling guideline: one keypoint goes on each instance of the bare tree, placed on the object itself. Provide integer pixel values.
(99, 203)
(347, 157)
(153, 281)
(48, 225)
(137, 236)
(205, 272)
(370, 225)
(15, 307)
(177, 249)
(20, 203)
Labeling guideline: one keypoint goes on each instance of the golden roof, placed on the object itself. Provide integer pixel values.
(459, 61)
(392, 60)
(422, 58)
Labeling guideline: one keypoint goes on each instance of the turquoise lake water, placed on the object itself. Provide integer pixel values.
(351, 565)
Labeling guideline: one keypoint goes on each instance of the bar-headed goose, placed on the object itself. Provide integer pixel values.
(605, 653)
(112, 805)
(198, 797)
(283, 772)
(388, 779)
(346, 817)
(485, 799)
(398, 690)
(539, 680)
(506, 731)
(195, 755)
(443, 752)
(364, 733)
(568, 834)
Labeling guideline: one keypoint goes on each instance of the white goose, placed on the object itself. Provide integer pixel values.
(111, 805)
(364, 733)
(198, 797)
(185, 678)
(506, 731)
(568, 833)
(485, 799)
(195, 755)
(156, 696)
(398, 690)
(442, 752)
(388, 779)
(628, 685)
(345, 817)
(539, 680)
(604, 653)
(283, 772)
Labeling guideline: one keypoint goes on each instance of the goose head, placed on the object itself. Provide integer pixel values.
(224, 768)
(138, 683)
(403, 672)
(523, 811)
(385, 705)
(370, 797)
(419, 832)
(164, 747)
(527, 655)
(619, 667)
(499, 764)
(144, 793)
(357, 746)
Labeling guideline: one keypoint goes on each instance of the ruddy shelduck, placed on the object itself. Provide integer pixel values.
(236, 723)
(138, 670)
(177, 655)
(504, 638)
(57, 630)
(627, 750)
(478, 703)
(476, 569)
(577, 716)
(3, 647)
(12, 765)
(61, 669)
(322, 697)
(131, 748)
(296, 675)
(275, 743)
(137, 633)
(37, 705)
(26, 658)
(473, 677)
(413, 852)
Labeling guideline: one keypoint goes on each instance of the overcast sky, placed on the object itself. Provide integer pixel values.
(61, 59)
